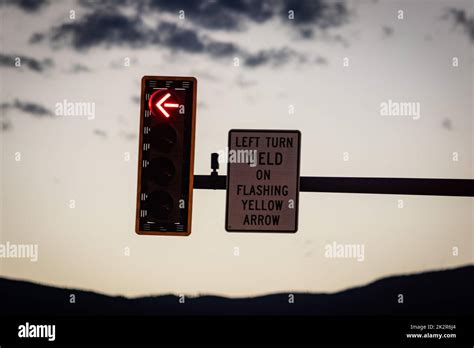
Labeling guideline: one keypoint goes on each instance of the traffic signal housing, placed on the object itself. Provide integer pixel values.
(166, 155)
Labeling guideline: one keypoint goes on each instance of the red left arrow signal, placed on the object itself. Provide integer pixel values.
(161, 105)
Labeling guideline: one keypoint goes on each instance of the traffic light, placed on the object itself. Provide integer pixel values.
(166, 155)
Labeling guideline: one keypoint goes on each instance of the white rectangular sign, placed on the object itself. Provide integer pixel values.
(263, 175)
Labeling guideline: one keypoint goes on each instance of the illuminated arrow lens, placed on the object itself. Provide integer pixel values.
(161, 103)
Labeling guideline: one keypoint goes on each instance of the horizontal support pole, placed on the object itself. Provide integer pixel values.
(393, 186)
(210, 182)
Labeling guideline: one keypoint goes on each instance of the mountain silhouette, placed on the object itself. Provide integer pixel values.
(445, 292)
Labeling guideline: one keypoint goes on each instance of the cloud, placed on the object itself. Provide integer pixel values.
(318, 13)
(25, 5)
(31, 63)
(128, 136)
(187, 40)
(78, 68)
(320, 60)
(224, 14)
(175, 37)
(106, 25)
(306, 33)
(387, 31)
(221, 49)
(5, 125)
(447, 124)
(235, 14)
(112, 28)
(99, 28)
(462, 20)
(274, 57)
(101, 133)
(27, 107)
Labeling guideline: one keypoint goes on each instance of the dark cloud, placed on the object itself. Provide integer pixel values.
(26, 5)
(27, 107)
(235, 14)
(462, 20)
(106, 28)
(321, 60)
(5, 125)
(107, 25)
(318, 13)
(136, 99)
(128, 135)
(31, 63)
(79, 68)
(323, 36)
(117, 29)
(175, 37)
(447, 124)
(274, 57)
(101, 133)
(224, 14)
(221, 49)
(387, 31)
(36, 37)
(306, 33)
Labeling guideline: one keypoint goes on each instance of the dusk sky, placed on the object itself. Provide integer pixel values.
(335, 63)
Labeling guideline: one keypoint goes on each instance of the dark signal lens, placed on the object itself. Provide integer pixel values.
(162, 171)
(164, 137)
(160, 205)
